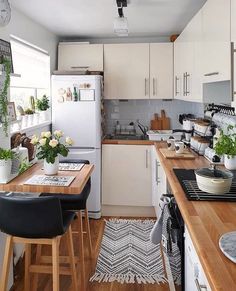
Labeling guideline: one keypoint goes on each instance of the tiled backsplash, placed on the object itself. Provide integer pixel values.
(127, 111)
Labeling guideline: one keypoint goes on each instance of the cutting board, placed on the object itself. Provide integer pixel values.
(165, 121)
(187, 155)
(156, 123)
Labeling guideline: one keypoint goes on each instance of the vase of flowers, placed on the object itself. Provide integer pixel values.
(50, 146)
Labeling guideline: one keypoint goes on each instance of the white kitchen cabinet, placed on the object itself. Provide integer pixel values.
(126, 175)
(195, 278)
(161, 71)
(216, 40)
(77, 56)
(126, 71)
(233, 40)
(158, 181)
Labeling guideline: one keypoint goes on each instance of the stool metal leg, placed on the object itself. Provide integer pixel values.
(27, 266)
(72, 258)
(81, 265)
(55, 263)
(88, 232)
(6, 263)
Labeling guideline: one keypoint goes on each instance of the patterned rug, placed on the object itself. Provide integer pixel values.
(127, 254)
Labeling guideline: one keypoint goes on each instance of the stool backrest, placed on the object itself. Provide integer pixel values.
(39, 217)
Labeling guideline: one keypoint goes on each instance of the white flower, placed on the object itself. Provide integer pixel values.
(42, 141)
(34, 140)
(58, 133)
(53, 143)
(69, 141)
(47, 134)
(42, 133)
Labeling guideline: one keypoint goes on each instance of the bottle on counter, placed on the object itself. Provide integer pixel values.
(68, 95)
(75, 95)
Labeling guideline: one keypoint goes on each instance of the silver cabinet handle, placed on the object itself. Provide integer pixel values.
(211, 74)
(79, 67)
(146, 159)
(157, 176)
(186, 80)
(184, 91)
(176, 85)
(145, 81)
(199, 286)
(153, 86)
(233, 51)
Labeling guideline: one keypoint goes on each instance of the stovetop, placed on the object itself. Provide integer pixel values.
(188, 182)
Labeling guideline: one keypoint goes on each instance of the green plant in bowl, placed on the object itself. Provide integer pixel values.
(29, 111)
(43, 103)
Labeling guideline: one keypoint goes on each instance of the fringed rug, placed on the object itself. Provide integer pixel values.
(127, 254)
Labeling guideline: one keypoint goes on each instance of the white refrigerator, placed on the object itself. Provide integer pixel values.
(81, 120)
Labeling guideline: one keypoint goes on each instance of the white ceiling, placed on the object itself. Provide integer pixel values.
(94, 18)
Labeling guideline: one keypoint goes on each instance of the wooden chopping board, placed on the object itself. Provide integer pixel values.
(156, 123)
(165, 121)
(187, 155)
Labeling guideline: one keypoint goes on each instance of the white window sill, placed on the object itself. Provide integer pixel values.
(33, 127)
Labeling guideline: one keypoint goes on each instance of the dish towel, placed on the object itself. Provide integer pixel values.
(156, 232)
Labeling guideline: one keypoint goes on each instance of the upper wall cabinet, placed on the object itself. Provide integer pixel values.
(216, 40)
(126, 71)
(138, 71)
(233, 40)
(161, 70)
(77, 56)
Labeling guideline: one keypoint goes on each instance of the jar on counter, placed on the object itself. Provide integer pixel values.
(203, 144)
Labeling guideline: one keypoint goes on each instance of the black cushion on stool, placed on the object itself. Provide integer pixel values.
(39, 217)
(73, 201)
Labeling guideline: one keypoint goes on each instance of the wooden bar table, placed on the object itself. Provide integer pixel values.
(76, 187)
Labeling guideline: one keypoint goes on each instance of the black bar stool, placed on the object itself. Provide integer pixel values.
(36, 221)
(77, 203)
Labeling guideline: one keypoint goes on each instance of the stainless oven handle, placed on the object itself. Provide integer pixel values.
(199, 286)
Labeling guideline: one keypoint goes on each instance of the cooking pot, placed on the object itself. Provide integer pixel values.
(214, 181)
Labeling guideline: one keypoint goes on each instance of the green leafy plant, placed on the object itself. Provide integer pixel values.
(24, 166)
(226, 144)
(4, 94)
(50, 145)
(7, 154)
(42, 104)
(29, 111)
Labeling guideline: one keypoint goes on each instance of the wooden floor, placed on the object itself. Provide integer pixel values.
(45, 281)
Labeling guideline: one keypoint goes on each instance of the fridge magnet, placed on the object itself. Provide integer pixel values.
(11, 111)
(68, 95)
(61, 94)
(5, 51)
(87, 95)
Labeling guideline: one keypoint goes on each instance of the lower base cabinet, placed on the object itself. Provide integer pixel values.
(195, 278)
(126, 175)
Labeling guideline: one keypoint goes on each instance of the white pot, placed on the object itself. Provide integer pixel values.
(5, 170)
(230, 163)
(51, 169)
(24, 121)
(30, 119)
(36, 118)
(43, 115)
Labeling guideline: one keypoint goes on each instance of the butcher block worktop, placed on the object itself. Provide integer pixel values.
(206, 222)
(127, 142)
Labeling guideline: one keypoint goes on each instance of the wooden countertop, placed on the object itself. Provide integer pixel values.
(76, 187)
(127, 142)
(206, 222)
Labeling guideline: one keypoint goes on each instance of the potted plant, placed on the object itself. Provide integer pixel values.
(32, 107)
(43, 105)
(50, 147)
(5, 68)
(30, 116)
(226, 146)
(6, 156)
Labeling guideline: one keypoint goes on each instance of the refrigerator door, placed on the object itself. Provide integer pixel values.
(94, 157)
(80, 120)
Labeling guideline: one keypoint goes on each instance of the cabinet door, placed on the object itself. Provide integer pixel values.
(126, 175)
(216, 40)
(161, 70)
(178, 68)
(126, 71)
(77, 56)
(233, 20)
(233, 40)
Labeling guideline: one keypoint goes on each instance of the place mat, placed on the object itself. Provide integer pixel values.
(42, 180)
(70, 166)
(186, 155)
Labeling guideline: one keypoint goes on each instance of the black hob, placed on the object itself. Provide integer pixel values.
(188, 182)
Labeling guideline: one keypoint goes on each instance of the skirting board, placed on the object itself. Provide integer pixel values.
(132, 211)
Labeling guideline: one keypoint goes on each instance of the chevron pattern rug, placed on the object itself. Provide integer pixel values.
(127, 254)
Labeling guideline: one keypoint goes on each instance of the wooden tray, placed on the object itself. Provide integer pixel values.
(187, 155)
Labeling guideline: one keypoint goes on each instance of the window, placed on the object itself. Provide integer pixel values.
(33, 64)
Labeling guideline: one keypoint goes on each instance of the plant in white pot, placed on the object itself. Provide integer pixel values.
(6, 157)
(43, 105)
(226, 146)
(50, 146)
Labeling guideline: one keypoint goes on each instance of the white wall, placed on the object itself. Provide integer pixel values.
(30, 31)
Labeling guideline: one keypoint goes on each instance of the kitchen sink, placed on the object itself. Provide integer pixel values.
(126, 137)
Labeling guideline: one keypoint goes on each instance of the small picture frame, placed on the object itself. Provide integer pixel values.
(87, 94)
(5, 52)
(11, 111)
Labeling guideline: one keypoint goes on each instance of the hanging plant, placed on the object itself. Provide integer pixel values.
(4, 94)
